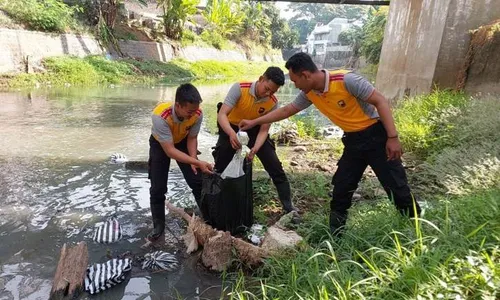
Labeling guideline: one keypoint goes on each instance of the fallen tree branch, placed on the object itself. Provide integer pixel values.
(218, 245)
(70, 272)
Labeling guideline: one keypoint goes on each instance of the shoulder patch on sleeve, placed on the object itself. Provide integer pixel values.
(166, 113)
(336, 77)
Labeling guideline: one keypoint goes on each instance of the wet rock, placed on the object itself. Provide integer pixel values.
(300, 149)
(277, 239)
(289, 220)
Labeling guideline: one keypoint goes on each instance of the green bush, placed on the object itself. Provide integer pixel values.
(307, 127)
(424, 121)
(47, 15)
(215, 39)
(213, 69)
(71, 70)
(189, 38)
(112, 71)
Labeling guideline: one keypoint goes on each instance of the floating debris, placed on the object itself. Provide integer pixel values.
(256, 234)
(118, 158)
(103, 276)
(109, 232)
(159, 261)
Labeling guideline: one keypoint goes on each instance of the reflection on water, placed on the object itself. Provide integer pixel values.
(56, 183)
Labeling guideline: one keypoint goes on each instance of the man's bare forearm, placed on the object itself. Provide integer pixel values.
(277, 115)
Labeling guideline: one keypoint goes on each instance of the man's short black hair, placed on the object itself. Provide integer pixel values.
(300, 62)
(276, 75)
(187, 93)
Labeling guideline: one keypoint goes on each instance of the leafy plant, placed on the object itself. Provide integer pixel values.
(256, 25)
(373, 34)
(175, 14)
(214, 38)
(225, 16)
(282, 36)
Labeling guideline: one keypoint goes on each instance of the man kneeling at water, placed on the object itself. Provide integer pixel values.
(250, 100)
(174, 135)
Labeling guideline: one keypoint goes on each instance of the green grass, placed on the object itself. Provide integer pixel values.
(93, 70)
(424, 121)
(47, 15)
(307, 127)
(463, 153)
(452, 252)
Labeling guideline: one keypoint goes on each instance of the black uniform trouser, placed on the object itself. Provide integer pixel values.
(159, 166)
(361, 149)
(224, 152)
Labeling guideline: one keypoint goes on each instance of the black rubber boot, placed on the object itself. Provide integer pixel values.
(158, 213)
(284, 194)
(337, 223)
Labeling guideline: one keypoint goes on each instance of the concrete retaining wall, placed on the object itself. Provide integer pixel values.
(16, 45)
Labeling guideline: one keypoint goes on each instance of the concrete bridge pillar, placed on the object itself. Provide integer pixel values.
(425, 43)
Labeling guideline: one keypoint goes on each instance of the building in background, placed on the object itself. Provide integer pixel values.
(324, 46)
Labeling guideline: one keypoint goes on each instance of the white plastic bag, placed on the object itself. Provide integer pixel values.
(235, 168)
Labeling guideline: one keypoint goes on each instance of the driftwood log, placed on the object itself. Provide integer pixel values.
(217, 245)
(70, 273)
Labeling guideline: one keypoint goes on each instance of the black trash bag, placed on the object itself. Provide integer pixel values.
(227, 204)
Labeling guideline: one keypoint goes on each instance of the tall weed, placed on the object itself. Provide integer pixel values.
(47, 15)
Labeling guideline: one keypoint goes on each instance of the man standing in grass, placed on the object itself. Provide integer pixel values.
(370, 136)
(174, 135)
(250, 100)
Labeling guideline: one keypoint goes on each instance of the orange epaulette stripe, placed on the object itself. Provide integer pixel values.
(245, 84)
(337, 77)
(166, 113)
(274, 99)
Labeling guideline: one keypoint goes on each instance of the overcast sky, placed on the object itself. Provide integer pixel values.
(282, 5)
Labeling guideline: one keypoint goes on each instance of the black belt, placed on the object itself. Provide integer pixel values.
(368, 131)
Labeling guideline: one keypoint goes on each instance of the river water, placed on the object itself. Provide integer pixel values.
(56, 184)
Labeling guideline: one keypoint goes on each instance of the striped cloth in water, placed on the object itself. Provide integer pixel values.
(109, 232)
(103, 276)
(160, 260)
